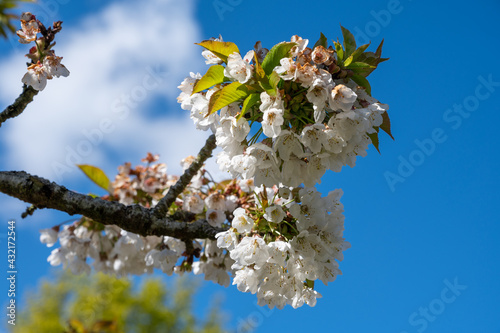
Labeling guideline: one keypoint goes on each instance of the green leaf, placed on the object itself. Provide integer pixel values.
(220, 49)
(348, 61)
(369, 58)
(339, 50)
(358, 64)
(386, 124)
(363, 82)
(250, 101)
(374, 138)
(274, 79)
(321, 41)
(265, 85)
(96, 175)
(262, 79)
(229, 94)
(349, 41)
(273, 57)
(378, 53)
(259, 72)
(211, 102)
(361, 65)
(359, 51)
(214, 75)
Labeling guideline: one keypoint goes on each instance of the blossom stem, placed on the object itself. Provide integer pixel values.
(305, 121)
(211, 178)
(291, 226)
(40, 53)
(255, 137)
(298, 92)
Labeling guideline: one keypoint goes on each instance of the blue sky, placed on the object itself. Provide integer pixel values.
(421, 216)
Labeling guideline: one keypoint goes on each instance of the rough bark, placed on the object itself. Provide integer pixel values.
(134, 218)
(19, 104)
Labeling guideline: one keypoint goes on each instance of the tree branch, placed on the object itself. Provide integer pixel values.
(164, 204)
(19, 104)
(134, 218)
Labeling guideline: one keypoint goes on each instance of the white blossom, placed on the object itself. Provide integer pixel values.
(241, 221)
(251, 250)
(342, 98)
(211, 58)
(36, 76)
(272, 122)
(53, 66)
(287, 69)
(226, 240)
(29, 28)
(313, 137)
(238, 68)
(48, 236)
(215, 217)
(274, 214)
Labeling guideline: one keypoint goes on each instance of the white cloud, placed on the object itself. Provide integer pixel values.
(98, 115)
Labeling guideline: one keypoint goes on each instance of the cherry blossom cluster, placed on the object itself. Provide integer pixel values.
(144, 185)
(110, 249)
(279, 242)
(280, 246)
(281, 117)
(315, 119)
(44, 65)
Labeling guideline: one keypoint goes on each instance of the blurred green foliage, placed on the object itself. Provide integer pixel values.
(102, 303)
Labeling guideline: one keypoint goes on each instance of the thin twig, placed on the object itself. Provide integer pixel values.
(19, 104)
(161, 209)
